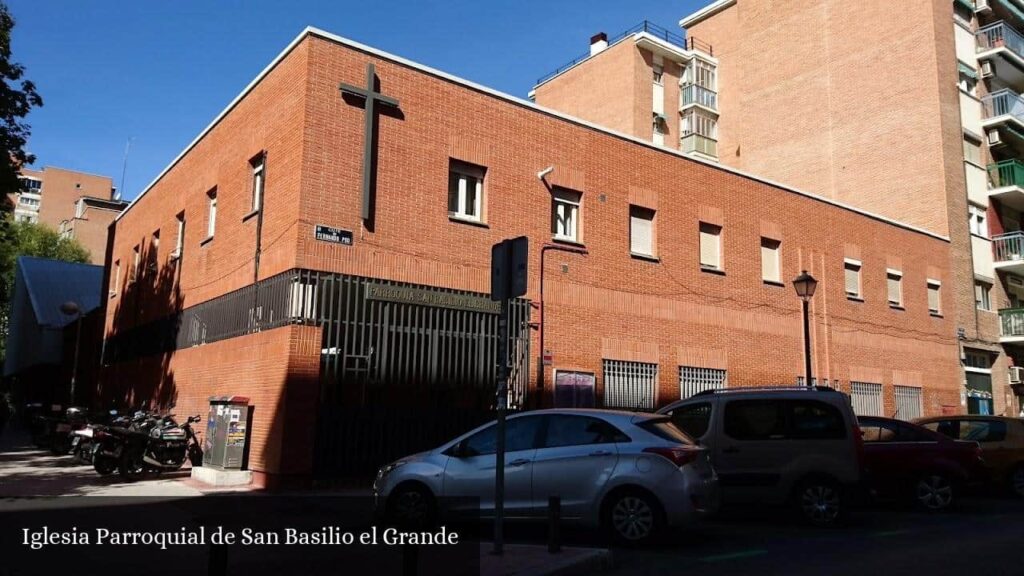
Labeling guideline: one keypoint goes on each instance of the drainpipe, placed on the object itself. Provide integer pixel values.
(543, 318)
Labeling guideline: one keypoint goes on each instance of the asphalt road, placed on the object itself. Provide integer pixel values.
(982, 537)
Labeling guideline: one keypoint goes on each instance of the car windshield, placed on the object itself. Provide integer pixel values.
(665, 429)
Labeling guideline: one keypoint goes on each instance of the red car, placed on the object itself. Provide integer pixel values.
(908, 462)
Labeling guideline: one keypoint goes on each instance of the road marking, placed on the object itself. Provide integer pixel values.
(734, 555)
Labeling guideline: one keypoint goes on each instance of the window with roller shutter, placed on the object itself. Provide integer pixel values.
(770, 260)
(641, 231)
(710, 246)
(852, 278)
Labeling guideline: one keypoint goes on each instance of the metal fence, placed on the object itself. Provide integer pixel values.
(908, 402)
(866, 398)
(693, 380)
(630, 385)
(1008, 247)
(997, 35)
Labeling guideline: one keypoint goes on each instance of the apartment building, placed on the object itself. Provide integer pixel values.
(915, 118)
(259, 264)
(76, 204)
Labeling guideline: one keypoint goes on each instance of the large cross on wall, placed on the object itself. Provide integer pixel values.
(369, 98)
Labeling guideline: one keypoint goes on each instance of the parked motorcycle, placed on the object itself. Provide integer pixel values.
(108, 442)
(159, 445)
(82, 439)
(62, 428)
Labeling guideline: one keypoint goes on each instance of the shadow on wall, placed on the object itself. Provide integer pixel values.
(145, 326)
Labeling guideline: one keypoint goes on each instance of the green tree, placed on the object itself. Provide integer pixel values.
(17, 97)
(28, 239)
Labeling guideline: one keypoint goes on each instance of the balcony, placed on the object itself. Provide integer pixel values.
(1003, 119)
(696, 95)
(1008, 252)
(1006, 183)
(692, 142)
(1011, 326)
(1002, 46)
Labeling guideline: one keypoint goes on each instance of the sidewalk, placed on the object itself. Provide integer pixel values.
(534, 560)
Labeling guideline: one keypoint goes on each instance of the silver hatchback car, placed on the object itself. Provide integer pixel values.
(630, 472)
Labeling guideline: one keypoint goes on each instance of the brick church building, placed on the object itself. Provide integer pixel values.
(354, 312)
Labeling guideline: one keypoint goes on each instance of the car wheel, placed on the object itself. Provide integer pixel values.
(411, 505)
(632, 517)
(1017, 481)
(821, 502)
(933, 491)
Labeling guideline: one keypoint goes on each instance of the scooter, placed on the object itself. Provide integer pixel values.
(160, 445)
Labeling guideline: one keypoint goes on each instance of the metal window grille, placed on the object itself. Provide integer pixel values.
(908, 402)
(866, 398)
(629, 384)
(693, 380)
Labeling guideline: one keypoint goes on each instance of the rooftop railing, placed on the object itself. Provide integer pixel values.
(998, 35)
(646, 27)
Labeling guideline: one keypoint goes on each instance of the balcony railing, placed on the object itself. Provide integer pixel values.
(693, 142)
(1008, 247)
(696, 94)
(998, 35)
(1011, 322)
(1003, 102)
(1006, 173)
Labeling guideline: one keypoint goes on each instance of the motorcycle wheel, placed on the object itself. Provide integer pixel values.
(104, 465)
(131, 467)
(195, 455)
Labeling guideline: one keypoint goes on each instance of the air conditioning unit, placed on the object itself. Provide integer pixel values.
(993, 138)
(988, 69)
(1016, 374)
(982, 6)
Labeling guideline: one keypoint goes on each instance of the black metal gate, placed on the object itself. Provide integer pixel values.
(405, 367)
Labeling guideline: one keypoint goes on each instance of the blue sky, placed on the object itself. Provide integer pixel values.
(158, 72)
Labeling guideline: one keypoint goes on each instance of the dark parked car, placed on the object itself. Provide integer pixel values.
(1001, 440)
(911, 463)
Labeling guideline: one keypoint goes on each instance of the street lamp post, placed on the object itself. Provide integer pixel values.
(805, 285)
(71, 308)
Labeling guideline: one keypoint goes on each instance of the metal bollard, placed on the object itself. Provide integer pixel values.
(554, 520)
(410, 560)
(218, 562)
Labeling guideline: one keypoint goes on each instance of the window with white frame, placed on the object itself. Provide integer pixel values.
(694, 380)
(700, 73)
(934, 297)
(211, 213)
(659, 71)
(179, 242)
(710, 246)
(966, 82)
(641, 231)
(257, 181)
(982, 295)
(771, 266)
(866, 398)
(465, 190)
(117, 278)
(908, 402)
(695, 121)
(136, 260)
(565, 214)
(977, 221)
(851, 270)
(972, 150)
(894, 287)
(630, 385)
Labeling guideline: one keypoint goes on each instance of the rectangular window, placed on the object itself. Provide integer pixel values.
(976, 220)
(211, 215)
(934, 297)
(179, 245)
(565, 214)
(629, 385)
(771, 267)
(659, 71)
(465, 191)
(698, 122)
(154, 252)
(641, 231)
(852, 272)
(982, 293)
(972, 151)
(894, 286)
(257, 182)
(710, 246)
(908, 402)
(117, 279)
(866, 398)
(694, 380)
(136, 259)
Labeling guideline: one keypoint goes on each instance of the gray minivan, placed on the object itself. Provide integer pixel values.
(793, 446)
